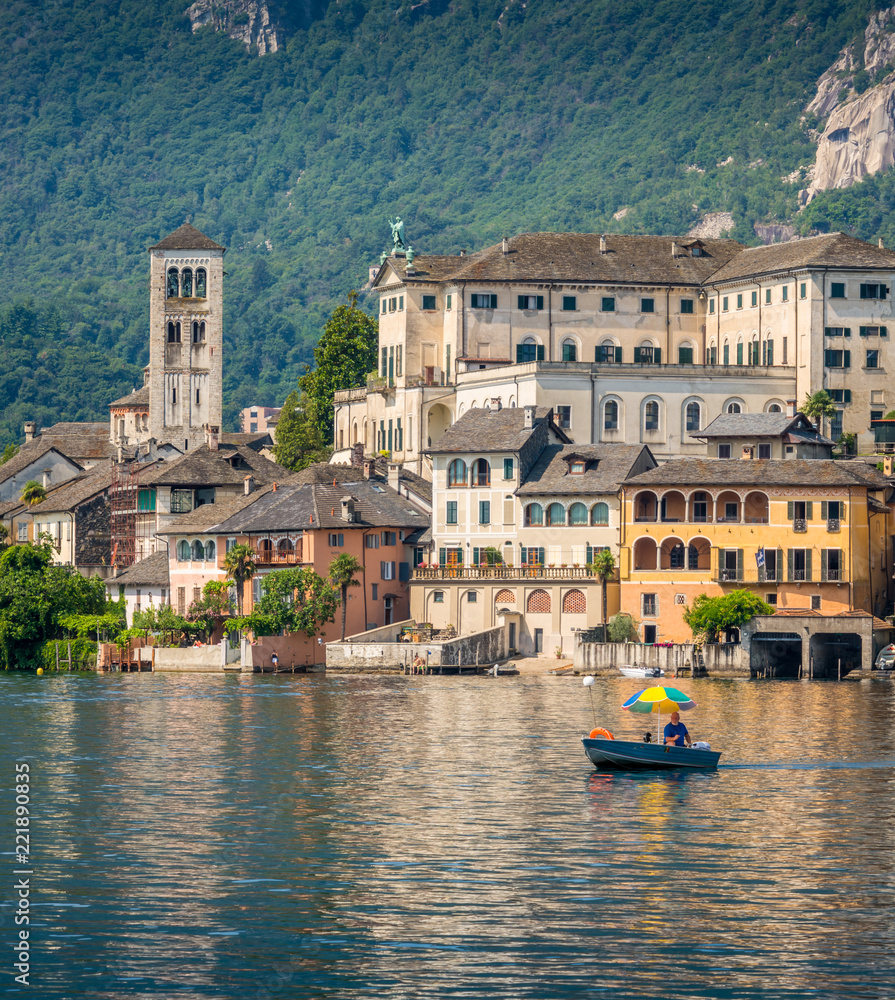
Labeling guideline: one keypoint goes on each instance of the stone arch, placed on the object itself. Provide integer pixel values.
(646, 553)
(505, 597)
(574, 603)
(538, 602)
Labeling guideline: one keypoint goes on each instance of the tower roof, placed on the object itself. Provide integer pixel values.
(187, 237)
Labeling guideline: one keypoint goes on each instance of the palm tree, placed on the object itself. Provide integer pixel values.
(604, 567)
(239, 563)
(818, 405)
(33, 493)
(343, 572)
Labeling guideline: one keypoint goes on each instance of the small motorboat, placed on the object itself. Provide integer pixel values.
(632, 755)
(631, 671)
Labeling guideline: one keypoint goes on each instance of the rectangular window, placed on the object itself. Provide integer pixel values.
(399, 360)
(739, 300)
(399, 435)
(387, 570)
(608, 304)
(532, 555)
(771, 599)
(837, 359)
(569, 303)
(529, 352)
(336, 541)
(389, 538)
(874, 291)
(438, 597)
(685, 355)
(770, 564)
(451, 512)
(449, 302)
(181, 601)
(767, 296)
(873, 331)
(755, 298)
(784, 350)
(739, 354)
(836, 425)
(803, 290)
(837, 290)
(419, 557)
(723, 451)
(872, 359)
(509, 470)
(484, 511)
(838, 331)
(429, 303)
(815, 602)
(483, 301)
(384, 304)
(472, 597)
(400, 303)
(181, 501)
(374, 591)
(712, 306)
(22, 527)
(564, 416)
(686, 306)
(532, 302)
(392, 305)
(648, 605)
(647, 305)
(876, 414)
(648, 355)
(764, 451)
(785, 293)
(372, 541)
(607, 353)
(725, 304)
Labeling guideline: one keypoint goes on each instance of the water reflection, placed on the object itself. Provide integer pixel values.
(421, 837)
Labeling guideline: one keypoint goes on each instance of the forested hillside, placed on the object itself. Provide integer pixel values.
(471, 119)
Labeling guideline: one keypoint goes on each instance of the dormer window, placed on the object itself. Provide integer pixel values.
(576, 468)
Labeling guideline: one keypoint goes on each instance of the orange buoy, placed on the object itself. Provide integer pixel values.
(596, 734)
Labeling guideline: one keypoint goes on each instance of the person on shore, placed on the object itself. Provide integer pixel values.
(676, 732)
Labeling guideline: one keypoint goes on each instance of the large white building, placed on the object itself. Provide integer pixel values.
(634, 339)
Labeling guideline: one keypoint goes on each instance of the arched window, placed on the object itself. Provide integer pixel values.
(775, 408)
(734, 408)
(677, 556)
(651, 416)
(505, 597)
(186, 282)
(693, 416)
(183, 550)
(610, 415)
(569, 350)
(534, 515)
(556, 515)
(574, 603)
(538, 602)
(528, 350)
(599, 513)
(577, 514)
(481, 472)
(198, 551)
(607, 351)
(173, 283)
(209, 551)
(200, 283)
(173, 333)
(285, 548)
(457, 473)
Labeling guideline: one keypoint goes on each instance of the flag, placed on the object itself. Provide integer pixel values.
(759, 558)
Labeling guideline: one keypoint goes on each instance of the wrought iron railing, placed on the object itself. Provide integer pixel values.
(833, 524)
(799, 524)
(502, 573)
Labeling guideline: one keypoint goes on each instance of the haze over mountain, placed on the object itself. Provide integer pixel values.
(471, 119)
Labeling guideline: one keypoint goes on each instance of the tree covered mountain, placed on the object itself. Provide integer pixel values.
(470, 118)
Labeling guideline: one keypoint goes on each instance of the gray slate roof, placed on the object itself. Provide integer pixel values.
(149, 572)
(829, 250)
(187, 237)
(761, 425)
(71, 494)
(204, 467)
(482, 430)
(209, 515)
(139, 397)
(608, 465)
(576, 257)
(256, 441)
(817, 472)
(31, 452)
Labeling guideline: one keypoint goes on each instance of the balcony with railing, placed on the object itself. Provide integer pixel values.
(833, 524)
(503, 572)
(799, 524)
(276, 552)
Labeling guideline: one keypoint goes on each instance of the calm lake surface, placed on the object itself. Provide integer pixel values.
(290, 837)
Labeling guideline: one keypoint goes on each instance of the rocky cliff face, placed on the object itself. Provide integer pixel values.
(859, 136)
(248, 21)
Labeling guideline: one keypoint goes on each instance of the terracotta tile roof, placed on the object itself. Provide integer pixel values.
(204, 467)
(484, 430)
(187, 237)
(149, 572)
(818, 472)
(878, 624)
(576, 257)
(607, 467)
(139, 397)
(829, 250)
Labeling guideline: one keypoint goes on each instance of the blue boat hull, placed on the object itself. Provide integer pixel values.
(627, 755)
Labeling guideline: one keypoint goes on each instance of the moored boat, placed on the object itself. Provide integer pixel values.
(632, 755)
(629, 671)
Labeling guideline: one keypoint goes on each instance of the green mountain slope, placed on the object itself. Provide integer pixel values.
(471, 119)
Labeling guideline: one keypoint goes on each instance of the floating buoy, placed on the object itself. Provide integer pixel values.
(588, 682)
(40, 671)
(598, 734)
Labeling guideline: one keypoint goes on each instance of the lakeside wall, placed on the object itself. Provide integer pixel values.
(721, 659)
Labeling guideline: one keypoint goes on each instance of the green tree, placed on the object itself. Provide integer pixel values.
(10, 451)
(292, 600)
(239, 563)
(211, 608)
(818, 405)
(343, 357)
(33, 493)
(163, 620)
(622, 627)
(299, 439)
(604, 568)
(710, 616)
(344, 571)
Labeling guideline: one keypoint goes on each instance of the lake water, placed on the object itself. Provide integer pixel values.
(297, 838)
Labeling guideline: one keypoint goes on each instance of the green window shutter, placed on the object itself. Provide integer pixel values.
(847, 331)
(808, 555)
(790, 510)
(540, 302)
(847, 395)
(779, 565)
(739, 565)
(540, 352)
(847, 355)
(618, 354)
(739, 354)
(518, 354)
(842, 510)
(862, 331)
(884, 331)
(823, 565)
(475, 557)
(636, 355)
(789, 565)
(657, 356)
(823, 510)
(809, 511)
(520, 301)
(442, 556)
(493, 301)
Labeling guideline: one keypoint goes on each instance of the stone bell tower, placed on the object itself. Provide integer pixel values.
(185, 337)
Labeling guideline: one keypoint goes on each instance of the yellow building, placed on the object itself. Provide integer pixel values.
(811, 535)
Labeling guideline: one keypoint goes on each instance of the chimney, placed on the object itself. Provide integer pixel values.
(675, 252)
(394, 476)
(273, 487)
(357, 454)
(369, 468)
(529, 412)
(747, 453)
(120, 452)
(889, 466)
(879, 243)
(30, 430)
(790, 407)
(505, 245)
(602, 244)
(211, 437)
(248, 485)
(495, 405)
(347, 509)
(462, 253)
(45, 478)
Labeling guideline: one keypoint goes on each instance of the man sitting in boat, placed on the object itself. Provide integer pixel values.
(676, 732)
